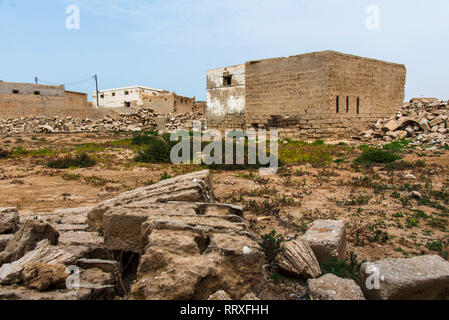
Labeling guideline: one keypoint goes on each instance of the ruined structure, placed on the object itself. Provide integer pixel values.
(125, 97)
(313, 95)
(25, 99)
(161, 101)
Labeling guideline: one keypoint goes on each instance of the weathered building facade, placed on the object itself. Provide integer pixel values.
(161, 101)
(25, 99)
(312, 95)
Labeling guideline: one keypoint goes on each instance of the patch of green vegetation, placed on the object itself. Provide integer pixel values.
(19, 151)
(89, 147)
(397, 145)
(152, 150)
(165, 176)
(70, 176)
(435, 246)
(41, 153)
(346, 268)
(81, 160)
(404, 165)
(376, 156)
(271, 245)
(297, 152)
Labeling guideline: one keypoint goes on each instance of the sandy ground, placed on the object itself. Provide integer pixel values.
(382, 219)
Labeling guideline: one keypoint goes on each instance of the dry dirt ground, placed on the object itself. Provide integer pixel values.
(383, 218)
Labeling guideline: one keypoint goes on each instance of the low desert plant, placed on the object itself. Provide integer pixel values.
(345, 268)
(82, 160)
(376, 156)
(271, 245)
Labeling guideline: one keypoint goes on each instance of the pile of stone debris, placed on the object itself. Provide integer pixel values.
(171, 240)
(423, 120)
(134, 121)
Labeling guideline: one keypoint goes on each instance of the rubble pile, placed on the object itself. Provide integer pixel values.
(134, 121)
(423, 120)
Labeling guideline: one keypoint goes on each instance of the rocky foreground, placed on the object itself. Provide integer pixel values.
(425, 121)
(172, 240)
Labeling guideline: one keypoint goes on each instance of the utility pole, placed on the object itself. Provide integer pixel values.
(96, 85)
(35, 79)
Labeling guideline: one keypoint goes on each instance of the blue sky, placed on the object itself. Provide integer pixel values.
(170, 44)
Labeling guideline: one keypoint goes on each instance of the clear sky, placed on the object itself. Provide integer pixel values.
(170, 44)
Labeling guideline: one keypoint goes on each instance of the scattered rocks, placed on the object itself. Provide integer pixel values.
(297, 259)
(420, 278)
(331, 287)
(425, 121)
(9, 220)
(135, 121)
(327, 239)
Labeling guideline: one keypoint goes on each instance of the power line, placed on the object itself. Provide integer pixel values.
(65, 84)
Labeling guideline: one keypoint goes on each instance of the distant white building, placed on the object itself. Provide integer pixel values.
(124, 97)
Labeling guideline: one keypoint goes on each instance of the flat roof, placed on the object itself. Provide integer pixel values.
(316, 52)
(131, 87)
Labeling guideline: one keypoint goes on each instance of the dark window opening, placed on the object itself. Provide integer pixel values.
(37, 93)
(113, 94)
(127, 104)
(358, 105)
(347, 104)
(126, 93)
(227, 81)
(15, 91)
(102, 96)
(338, 104)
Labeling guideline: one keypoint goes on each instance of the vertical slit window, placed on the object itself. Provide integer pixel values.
(338, 104)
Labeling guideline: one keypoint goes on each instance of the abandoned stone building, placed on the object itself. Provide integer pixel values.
(24, 99)
(314, 95)
(161, 101)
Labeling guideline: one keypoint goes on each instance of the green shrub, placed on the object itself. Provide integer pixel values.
(271, 245)
(397, 145)
(376, 156)
(82, 160)
(346, 268)
(154, 150)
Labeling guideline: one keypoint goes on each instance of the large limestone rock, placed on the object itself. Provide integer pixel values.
(183, 261)
(423, 278)
(297, 259)
(26, 240)
(190, 247)
(193, 187)
(327, 239)
(44, 252)
(9, 220)
(331, 287)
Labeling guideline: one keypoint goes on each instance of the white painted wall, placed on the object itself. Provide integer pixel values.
(116, 98)
(221, 99)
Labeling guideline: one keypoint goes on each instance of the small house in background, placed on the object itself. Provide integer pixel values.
(27, 99)
(161, 101)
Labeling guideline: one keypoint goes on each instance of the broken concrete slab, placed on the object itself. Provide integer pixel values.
(331, 287)
(327, 239)
(109, 266)
(417, 278)
(26, 240)
(44, 252)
